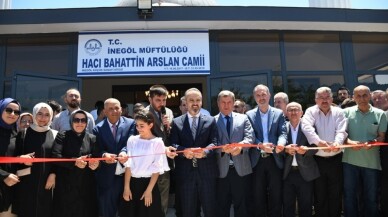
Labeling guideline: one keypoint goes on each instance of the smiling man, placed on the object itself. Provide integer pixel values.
(196, 169)
(325, 125)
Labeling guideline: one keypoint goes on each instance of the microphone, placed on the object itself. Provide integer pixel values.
(163, 113)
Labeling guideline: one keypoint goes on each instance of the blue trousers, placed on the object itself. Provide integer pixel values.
(363, 180)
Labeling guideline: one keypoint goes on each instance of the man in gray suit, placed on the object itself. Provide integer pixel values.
(300, 168)
(267, 163)
(233, 162)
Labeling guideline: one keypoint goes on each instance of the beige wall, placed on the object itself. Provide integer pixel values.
(94, 89)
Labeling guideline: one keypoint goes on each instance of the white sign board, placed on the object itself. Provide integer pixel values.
(134, 53)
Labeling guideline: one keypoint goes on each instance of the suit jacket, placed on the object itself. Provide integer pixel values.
(275, 134)
(206, 136)
(104, 138)
(307, 166)
(241, 131)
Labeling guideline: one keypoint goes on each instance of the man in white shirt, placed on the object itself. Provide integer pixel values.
(325, 126)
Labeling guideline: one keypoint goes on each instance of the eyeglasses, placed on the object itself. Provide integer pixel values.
(26, 122)
(9, 111)
(79, 120)
(293, 110)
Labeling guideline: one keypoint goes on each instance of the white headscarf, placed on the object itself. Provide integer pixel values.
(35, 111)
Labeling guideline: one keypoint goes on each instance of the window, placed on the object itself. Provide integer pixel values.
(247, 52)
(312, 52)
(49, 55)
(302, 89)
(371, 51)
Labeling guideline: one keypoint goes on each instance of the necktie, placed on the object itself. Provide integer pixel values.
(227, 124)
(194, 132)
(194, 127)
(114, 130)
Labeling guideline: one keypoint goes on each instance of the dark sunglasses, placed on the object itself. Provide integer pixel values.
(9, 111)
(79, 120)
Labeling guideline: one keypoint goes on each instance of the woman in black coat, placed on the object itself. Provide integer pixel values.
(33, 195)
(10, 112)
(75, 191)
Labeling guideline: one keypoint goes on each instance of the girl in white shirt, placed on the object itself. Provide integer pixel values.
(147, 160)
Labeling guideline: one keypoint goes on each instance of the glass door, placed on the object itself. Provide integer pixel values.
(30, 89)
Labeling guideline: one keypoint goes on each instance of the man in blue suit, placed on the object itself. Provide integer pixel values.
(196, 169)
(112, 135)
(233, 162)
(267, 163)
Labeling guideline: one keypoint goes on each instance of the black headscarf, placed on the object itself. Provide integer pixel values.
(3, 104)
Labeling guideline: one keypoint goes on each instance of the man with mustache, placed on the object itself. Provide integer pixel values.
(72, 98)
(325, 126)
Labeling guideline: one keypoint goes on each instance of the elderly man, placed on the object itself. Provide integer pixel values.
(325, 125)
(362, 164)
(280, 101)
(300, 168)
(112, 135)
(233, 162)
(267, 163)
(380, 100)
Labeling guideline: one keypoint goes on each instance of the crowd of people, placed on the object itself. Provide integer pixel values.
(273, 161)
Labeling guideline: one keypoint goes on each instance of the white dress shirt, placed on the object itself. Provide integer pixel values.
(294, 136)
(330, 127)
(153, 158)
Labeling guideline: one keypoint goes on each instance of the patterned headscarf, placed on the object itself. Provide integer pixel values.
(3, 104)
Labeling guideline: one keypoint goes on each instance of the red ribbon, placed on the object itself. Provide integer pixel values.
(261, 146)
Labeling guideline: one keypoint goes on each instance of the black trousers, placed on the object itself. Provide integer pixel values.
(267, 188)
(296, 188)
(232, 189)
(136, 207)
(328, 187)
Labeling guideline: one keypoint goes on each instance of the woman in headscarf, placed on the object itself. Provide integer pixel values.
(33, 196)
(75, 190)
(10, 112)
(25, 120)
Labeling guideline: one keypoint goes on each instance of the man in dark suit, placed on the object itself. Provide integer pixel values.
(163, 118)
(267, 163)
(233, 162)
(112, 135)
(196, 169)
(300, 168)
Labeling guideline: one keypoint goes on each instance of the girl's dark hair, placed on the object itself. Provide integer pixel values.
(147, 117)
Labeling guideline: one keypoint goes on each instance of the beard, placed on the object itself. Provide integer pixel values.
(73, 104)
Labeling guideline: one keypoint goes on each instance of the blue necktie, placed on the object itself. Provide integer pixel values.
(227, 124)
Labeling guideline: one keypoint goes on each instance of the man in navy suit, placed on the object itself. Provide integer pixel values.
(267, 163)
(112, 135)
(300, 168)
(233, 162)
(196, 169)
